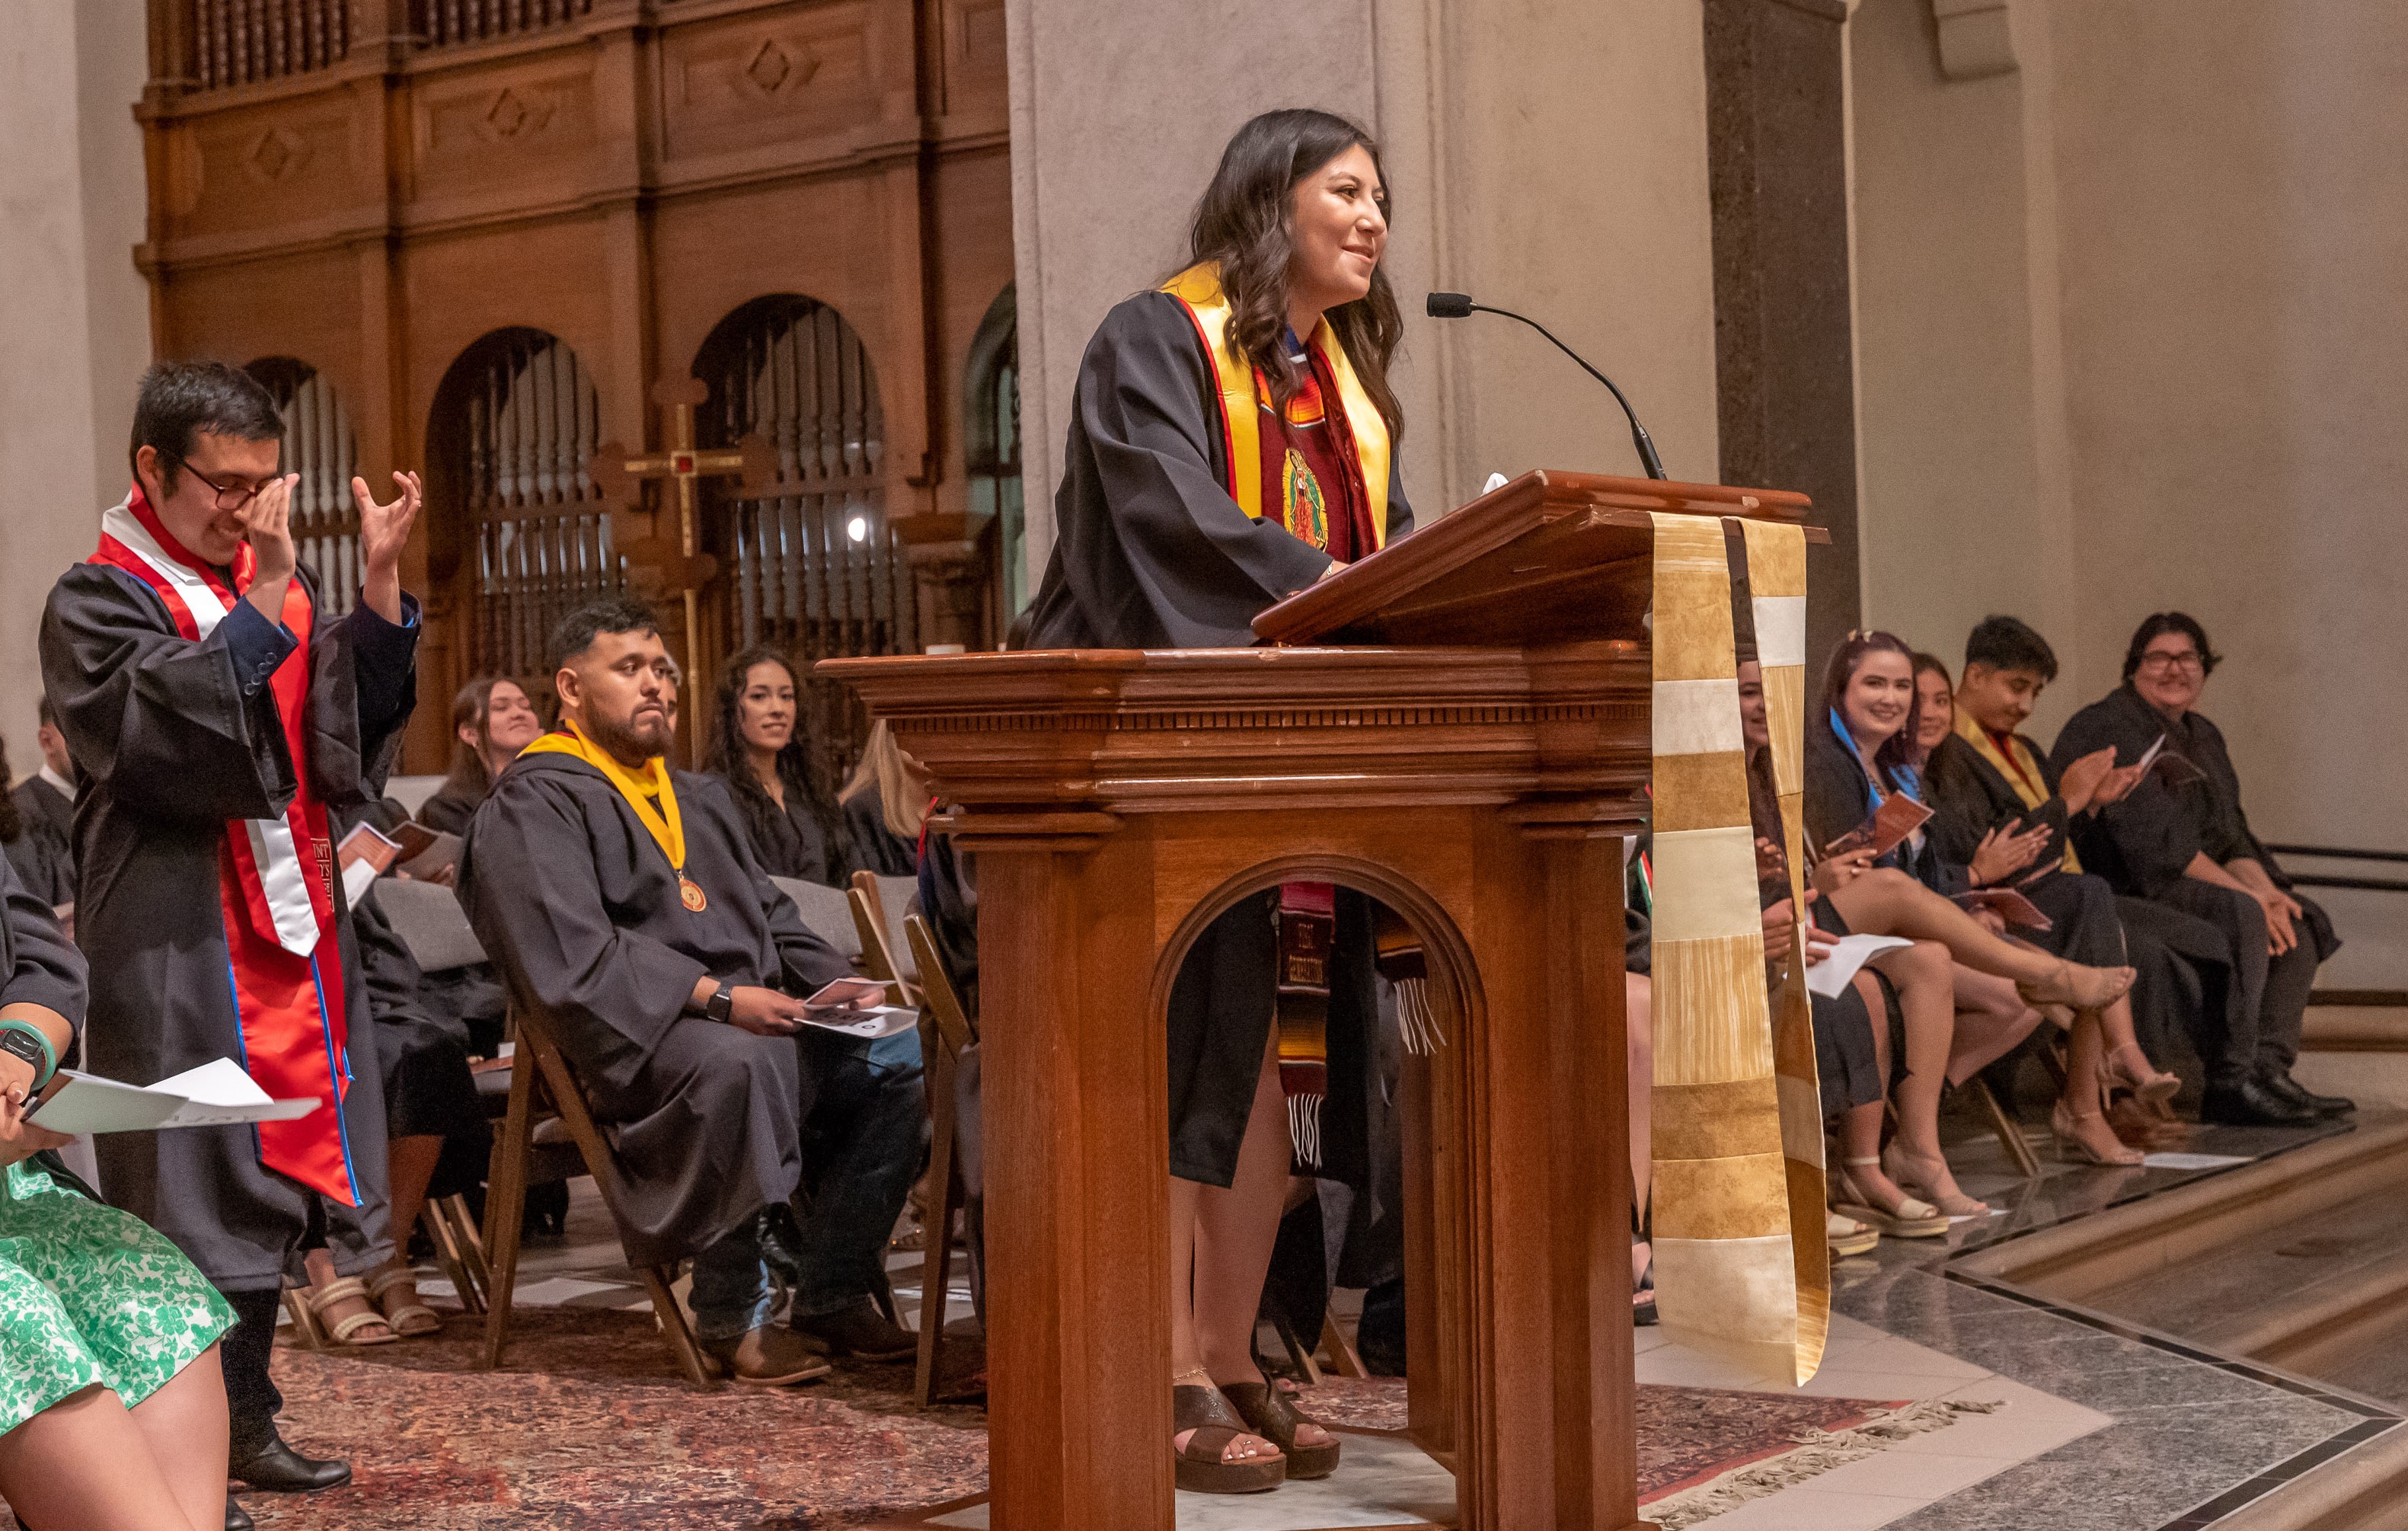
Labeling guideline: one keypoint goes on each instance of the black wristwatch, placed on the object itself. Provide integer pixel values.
(22, 1043)
(723, 1002)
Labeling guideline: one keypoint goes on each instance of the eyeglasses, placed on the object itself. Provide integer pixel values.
(2160, 659)
(230, 498)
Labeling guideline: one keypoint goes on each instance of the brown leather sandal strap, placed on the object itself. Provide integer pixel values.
(1267, 1411)
(1211, 1441)
(1196, 1409)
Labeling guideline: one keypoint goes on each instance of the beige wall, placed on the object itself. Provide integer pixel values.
(75, 313)
(1549, 158)
(2132, 336)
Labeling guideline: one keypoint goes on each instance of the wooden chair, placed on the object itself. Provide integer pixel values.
(827, 912)
(538, 1063)
(879, 906)
(954, 1033)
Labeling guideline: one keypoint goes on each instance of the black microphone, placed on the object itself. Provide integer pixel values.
(1459, 306)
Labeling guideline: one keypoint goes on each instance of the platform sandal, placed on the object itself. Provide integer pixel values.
(1911, 1219)
(1268, 1414)
(412, 1319)
(350, 1289)
(1847, 1236)
(1642, 1294)
(1197, 1467)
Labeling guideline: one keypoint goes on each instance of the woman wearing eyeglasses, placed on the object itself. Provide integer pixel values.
(2180, 839)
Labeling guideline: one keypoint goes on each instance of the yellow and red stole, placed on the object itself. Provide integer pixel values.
(642, 789)
(275, 876)
(1198, 288)
(2022, 770)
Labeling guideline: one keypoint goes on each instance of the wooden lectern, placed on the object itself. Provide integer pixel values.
(1468, 754)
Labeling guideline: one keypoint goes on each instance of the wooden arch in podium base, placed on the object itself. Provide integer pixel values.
(1464, 741)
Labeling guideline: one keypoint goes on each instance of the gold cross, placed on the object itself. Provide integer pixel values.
(662, 565)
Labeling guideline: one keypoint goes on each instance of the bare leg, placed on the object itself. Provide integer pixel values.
(409, 1164)
(1235, 1231)
(1886, 901)
(185, 1423)
(83, 1464)
(1927, 993)
(1639, 1028)
(319, 1265)
(2081, 1114)
(1992, 1020)
(1861, 1127)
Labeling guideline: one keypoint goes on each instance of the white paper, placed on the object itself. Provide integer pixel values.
(2192, 1161)
(216, 1095)
(2153, 751)
(357, 879)
(1847, 954)
(871, 1022)
(1495, 482)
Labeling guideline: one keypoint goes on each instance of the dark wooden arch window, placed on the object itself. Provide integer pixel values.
(518, 535)
(991, 445)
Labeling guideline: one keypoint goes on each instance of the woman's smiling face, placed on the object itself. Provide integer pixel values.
(1879, 696)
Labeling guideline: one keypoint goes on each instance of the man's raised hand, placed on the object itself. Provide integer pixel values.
(384, 531)
(267, 527)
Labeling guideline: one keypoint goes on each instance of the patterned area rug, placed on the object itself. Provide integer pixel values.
(589, 1428)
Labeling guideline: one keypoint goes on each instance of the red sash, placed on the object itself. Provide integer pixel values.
(275, 876)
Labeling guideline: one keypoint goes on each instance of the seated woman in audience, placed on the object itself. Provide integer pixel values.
(112, 1409)
(2179, 838)
(757, 749)
(1859, 750)
(493, 720)
(884, 806)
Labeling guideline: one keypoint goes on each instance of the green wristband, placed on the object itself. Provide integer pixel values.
(49, 1055)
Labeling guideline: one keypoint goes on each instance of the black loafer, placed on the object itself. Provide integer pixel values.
(277, 1469)
(2299, 1094)
(2251, 1104)
(237, 1519)
(859, 1332)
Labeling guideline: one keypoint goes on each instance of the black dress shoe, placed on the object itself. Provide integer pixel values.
(2251, 1104)
(2299, 1094)
(859, 1332)
(237, 1519)
(277, 1469)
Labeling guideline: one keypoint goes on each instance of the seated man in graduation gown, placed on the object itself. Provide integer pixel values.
(216, 710)
(623, 901)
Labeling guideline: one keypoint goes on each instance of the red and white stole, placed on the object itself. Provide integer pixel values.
(275, 876)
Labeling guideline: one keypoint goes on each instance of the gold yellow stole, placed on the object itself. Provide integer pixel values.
(2020, 774)
(1741, 1266)
(1198, 287)
(665, 825)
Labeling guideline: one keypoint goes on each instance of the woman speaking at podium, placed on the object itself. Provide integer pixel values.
(1234, 441)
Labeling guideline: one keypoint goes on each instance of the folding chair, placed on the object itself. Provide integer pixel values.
(954, 1033)
(829, 913)
(539, 1061)
(879, 904)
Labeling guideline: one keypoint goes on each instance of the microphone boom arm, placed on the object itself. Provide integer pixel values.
(1638, 437)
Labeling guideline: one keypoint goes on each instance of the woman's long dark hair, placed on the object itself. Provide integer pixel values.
(726, 756)
(1246, 223)
(471, 709)
(1897, 752)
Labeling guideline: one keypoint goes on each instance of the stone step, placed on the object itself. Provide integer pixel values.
(2356, 1028)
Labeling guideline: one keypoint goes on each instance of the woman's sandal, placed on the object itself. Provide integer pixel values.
(1847, 1236)
(2149, 1086)
(1197, 1466)
(1268, 1412)
(348, 1289)
(1642, 1292)
(2081, 987)
(412, 1319)
(1911, 1219)
(2063, 1125)
(1897, 1165)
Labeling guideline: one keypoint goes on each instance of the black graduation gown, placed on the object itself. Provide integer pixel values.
(44, 854)
(580, 911)
(449, 808)
(1150, 552)
(1835, 803)
(170, 747)
(876, 847)
(423, 1055)
(787, 840)
(39, 965)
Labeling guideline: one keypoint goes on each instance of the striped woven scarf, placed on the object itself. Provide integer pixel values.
(1740, 1262)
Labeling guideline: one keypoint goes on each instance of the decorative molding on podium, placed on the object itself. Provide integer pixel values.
(1069, 832)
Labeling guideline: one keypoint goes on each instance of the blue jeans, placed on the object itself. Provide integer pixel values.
(864, 1128)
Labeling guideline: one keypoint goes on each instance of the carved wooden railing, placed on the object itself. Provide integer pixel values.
(241, 42)
(443, 24)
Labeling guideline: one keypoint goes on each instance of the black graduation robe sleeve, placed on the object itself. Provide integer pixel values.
(2146, 843)
(165, 721)
(528, 881)
(1150, 552)
(43, 966)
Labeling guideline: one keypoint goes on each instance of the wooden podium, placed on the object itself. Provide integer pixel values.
(1468, 754)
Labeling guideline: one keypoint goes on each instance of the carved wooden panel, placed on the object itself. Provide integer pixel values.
(283, 162)
(974, 56)
(445, 23)
(528, 123)
(746, 81)
(239, 42)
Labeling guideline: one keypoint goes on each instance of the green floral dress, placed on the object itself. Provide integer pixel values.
(91, 1294)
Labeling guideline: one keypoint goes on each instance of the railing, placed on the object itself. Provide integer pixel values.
(239, 42)
(444, 23)
(2337, 853)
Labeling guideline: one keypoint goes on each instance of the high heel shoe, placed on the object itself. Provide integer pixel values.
(1910, 1218)
(2075, 984)
(1899, 1166)
(2149, 1086)
(2066, 1127)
